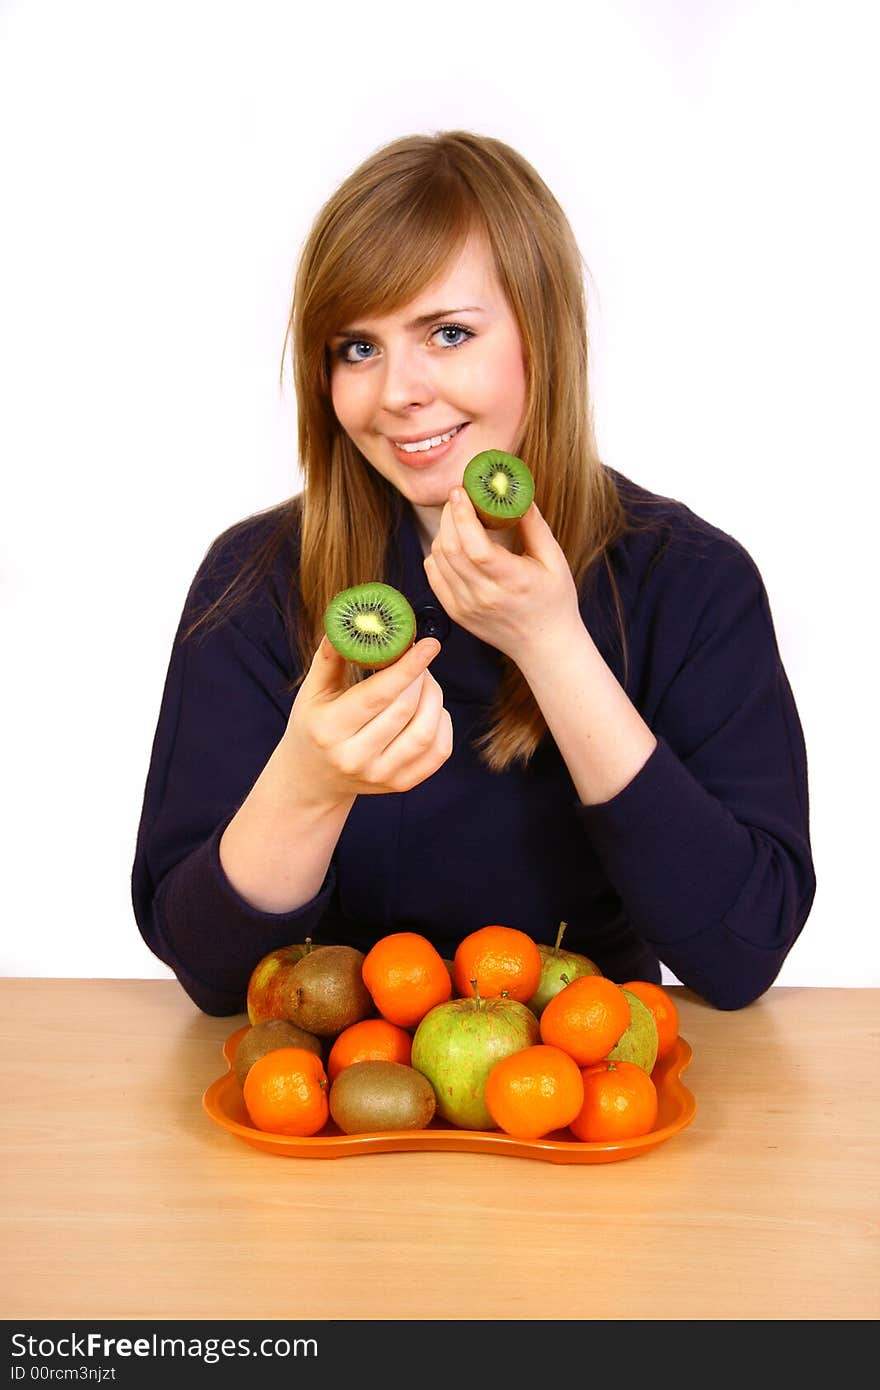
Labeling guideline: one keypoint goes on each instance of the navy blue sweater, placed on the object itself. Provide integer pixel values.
(702, 862)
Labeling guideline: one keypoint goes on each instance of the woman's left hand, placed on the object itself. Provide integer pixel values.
(510, 601)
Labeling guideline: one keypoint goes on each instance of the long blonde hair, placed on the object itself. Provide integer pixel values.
(386, 233)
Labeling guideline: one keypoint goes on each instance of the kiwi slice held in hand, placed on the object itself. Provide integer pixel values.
(500, 486)
(370, 624)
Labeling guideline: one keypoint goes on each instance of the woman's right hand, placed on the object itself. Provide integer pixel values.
(387, 733)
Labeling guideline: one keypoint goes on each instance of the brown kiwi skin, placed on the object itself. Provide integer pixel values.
(494, 523)
(327, 991)
(267, 1036)
(378, 1096)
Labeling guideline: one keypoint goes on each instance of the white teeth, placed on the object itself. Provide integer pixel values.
(425, 444)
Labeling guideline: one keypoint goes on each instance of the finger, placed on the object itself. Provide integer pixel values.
(440, 750)
(383, 740)
(443, 580)
(446, 543)
(537, 538)
(473, 586)
(439, 585)
(470, 533)
(412, 773)
(416, 743)
(357, 706)
(359, 755)
(374, 737)
(449, 553)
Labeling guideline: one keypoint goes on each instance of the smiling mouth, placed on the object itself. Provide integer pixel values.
(422, 446)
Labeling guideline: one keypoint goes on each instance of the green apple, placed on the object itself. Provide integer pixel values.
(456, 1045)
(638, 1043)
(558, 969)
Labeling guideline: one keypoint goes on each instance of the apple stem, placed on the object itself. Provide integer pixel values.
(308, 945)
(564, 978)
(559, 935)
(477, 1000)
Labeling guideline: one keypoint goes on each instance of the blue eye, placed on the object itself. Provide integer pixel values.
(343, 349)
(455, 328)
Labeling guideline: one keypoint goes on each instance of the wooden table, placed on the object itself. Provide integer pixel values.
(122, 1200)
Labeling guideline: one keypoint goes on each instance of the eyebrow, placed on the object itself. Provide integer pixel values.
(420, 322)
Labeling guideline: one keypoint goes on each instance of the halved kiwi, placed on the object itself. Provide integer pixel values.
(370, 624)
(500, 486)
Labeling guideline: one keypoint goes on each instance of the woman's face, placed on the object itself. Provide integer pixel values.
(451, 359)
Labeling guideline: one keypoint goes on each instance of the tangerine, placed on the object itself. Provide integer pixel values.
(620, 1102)
(586, 1018)
(502, 960)
(371, 1040)
(664, 1011)
(534, 1091)
(285, 1092)
(406, 976)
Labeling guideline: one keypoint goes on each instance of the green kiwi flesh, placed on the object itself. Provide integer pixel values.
(370, 624)
(500, 486)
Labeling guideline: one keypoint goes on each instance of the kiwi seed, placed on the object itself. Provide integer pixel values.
(370, 624)
(500, 486)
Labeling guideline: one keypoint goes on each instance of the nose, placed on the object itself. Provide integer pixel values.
(407, 380)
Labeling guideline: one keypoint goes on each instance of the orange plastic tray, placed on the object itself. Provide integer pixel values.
(224, 1103)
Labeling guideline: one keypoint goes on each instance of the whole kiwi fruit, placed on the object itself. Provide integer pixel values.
(371, 1096)
(500, 486)
(370, 624)
(327, 991)
(265, 1037)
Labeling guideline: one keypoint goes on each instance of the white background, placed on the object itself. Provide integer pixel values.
(161, 165)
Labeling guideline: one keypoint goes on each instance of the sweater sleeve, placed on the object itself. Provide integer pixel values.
(224, 708)
(708, 846)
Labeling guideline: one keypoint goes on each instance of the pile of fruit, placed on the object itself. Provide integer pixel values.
(510, 1035)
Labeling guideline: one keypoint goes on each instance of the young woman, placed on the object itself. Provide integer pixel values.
(594, 725)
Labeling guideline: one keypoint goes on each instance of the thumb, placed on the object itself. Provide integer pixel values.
(325, 673)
